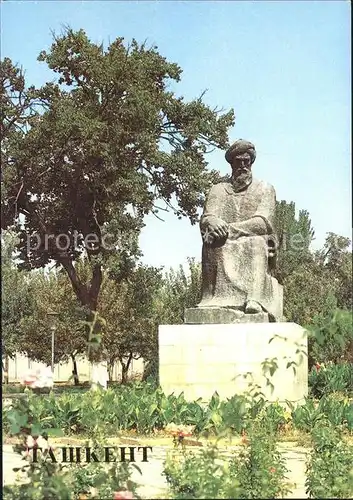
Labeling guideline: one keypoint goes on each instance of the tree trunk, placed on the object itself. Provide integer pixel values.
(6, 370)
(74, 370)
(88, 297)
(125, 368)
(124, 373)
(110, 370)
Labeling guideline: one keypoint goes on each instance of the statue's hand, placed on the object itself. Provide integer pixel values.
(218, 228)
(237, 232)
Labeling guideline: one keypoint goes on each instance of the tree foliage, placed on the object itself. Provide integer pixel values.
(308, 291)
(179, 291)
(331, 338)
(92, 152)
(295, 234)
(131, 329)
(336, 259)
(17, 297)
(54, 293)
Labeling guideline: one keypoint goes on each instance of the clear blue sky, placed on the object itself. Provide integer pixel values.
(284, 66)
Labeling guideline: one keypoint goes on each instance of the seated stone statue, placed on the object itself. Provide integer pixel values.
(239, 242)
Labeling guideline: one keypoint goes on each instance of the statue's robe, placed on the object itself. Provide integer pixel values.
(238, 269)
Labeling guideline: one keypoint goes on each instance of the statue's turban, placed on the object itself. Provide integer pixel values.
(238, 148)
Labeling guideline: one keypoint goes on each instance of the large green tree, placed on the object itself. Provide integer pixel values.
(92, 152)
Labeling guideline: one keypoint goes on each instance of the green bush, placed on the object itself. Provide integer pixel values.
(12, 389)
(203, 475)
(330, 465)
(260, 467)
(334, 408)
(257, 471)
(325, 379)
(331, 337)
(48, 479)
(141, 408)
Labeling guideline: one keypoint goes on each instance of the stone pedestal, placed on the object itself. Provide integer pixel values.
(221, 315)
(201, 359)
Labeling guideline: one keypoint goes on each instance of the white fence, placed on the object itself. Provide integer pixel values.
(20, 364)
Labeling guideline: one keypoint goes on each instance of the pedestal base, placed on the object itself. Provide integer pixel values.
(201, 359)
(221, 315)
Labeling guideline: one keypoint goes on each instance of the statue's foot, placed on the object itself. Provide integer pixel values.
(252, 307)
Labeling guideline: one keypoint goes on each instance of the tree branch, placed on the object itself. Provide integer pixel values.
(79, 288)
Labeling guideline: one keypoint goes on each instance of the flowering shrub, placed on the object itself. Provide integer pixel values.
(199, 475)
(45, 478)
(38, 379)
(179, 432)
(41, 478)
(260, 467)
(330, 465)
(256, 471)
(98, 481)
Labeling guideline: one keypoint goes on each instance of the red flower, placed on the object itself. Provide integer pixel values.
(184, 434)
(244, 439)
(123, 495)
(317, 366)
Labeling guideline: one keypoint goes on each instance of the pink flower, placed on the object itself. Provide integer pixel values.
(179, 430)
(42, 377)
(29, 380)
(30, 442)
(42, 443)
(272, 470)
(39, 442)
(123, 495)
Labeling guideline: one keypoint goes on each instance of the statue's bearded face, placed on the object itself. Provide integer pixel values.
(241, 167)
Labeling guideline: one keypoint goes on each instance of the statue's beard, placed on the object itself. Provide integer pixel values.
(242, 180)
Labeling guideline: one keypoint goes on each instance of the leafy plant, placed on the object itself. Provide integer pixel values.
(203, 475)
(46, 478)
(325, 379)
(260, 467)
(331, 337)
(258, 471)
(307, 415)
(329, 468)
(143, 408)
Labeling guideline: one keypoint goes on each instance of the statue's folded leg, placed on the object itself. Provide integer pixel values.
(235, 275)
